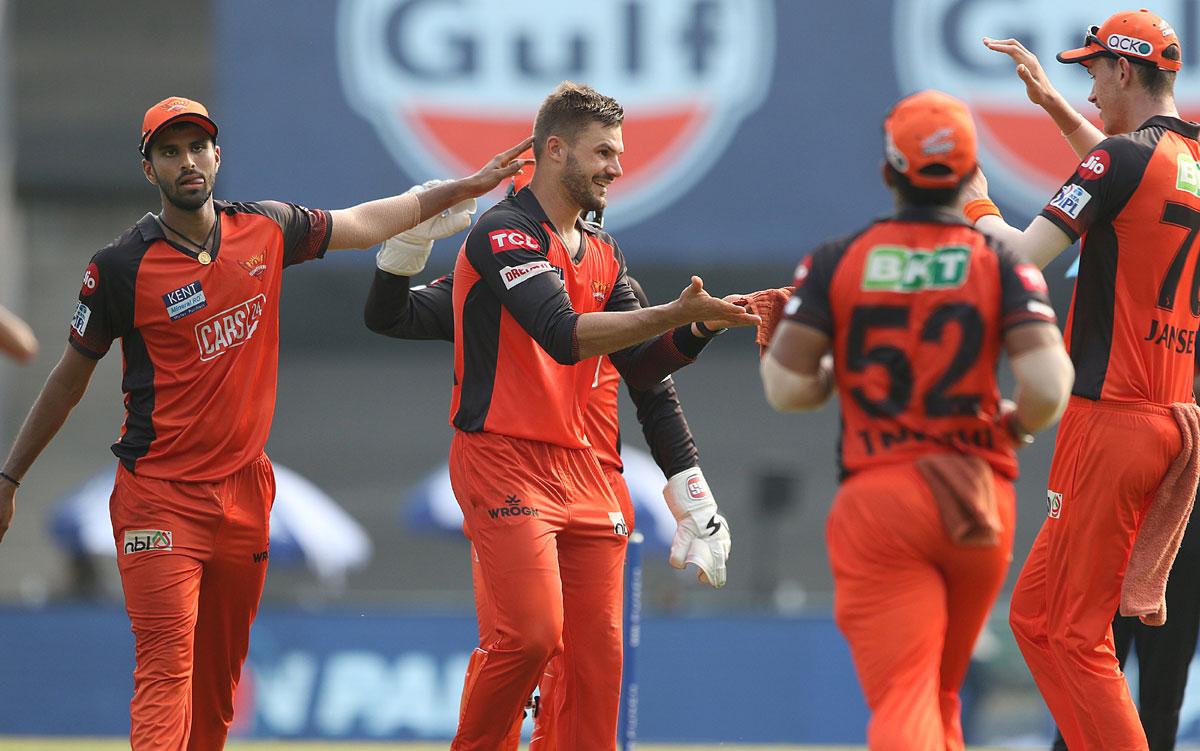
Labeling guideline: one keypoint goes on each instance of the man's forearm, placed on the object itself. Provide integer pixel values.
(606, 332)
(58, 397)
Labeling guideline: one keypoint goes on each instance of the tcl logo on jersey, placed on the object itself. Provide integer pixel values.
(937, 45)
(511, 239)
(142, 540)
(1071, 199)
(448, 83)
(91, 280)
(1031, 278)
(892, 268)
(1094, 166)
(1053, 504)
(696, 489)
(1187, 177)
(229, 328)
(514, 275)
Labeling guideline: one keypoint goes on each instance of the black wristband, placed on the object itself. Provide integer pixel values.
(6, 476)
(707, 332)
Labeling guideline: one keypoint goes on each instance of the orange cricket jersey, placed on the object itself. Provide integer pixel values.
(199, 342)
(916, 306)
(1135, 201)
(518, 293)
(601, 418)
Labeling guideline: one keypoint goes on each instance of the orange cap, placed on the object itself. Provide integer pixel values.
(929, 138)
(172, 110)
(1137, 35)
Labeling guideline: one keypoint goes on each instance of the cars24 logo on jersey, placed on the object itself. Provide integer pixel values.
(449, 83)
(937, 45)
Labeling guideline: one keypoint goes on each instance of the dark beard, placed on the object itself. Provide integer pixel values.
(579, 187)
(189, 202)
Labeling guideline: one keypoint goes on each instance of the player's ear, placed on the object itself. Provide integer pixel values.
(148, 171)
(556, 147)
(217, 154)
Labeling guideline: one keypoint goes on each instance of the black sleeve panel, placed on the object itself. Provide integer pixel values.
(306, 232)
(104, 311)
(810, 304)
(1102, 183)
(396, 309)
(507, 250)
(1024, 296)
(665, 428)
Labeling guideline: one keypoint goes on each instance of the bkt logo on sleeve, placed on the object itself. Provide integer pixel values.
(937, 45)
(448, 83)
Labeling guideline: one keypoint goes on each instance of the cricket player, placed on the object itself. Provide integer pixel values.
(1164, 652)
(396, 309)
(193, 294)
(916, 309)
(537, 295)
(1131, 333)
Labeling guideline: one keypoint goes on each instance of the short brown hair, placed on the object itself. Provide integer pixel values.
(1156, 81)
(570, 108)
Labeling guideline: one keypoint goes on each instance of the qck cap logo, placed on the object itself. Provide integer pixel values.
(937, 45)
(230, 328)
(142, 540)
(1129, 45)
(1053, 504)
(448, 83)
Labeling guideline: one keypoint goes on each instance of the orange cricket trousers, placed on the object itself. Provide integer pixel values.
(910, 602)
(550, 537)
(193, 560)
(1109, 460)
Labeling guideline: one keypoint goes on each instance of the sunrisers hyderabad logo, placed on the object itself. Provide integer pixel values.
(937, 45)
(448, 83)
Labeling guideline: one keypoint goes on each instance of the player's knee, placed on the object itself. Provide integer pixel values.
(537, 644)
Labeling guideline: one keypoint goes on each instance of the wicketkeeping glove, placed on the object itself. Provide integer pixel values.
(406, 253)
(767, 304)
(702, 534)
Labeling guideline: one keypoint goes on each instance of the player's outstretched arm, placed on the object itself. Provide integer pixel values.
(63, 390)
(605, 332)
(16, 338)
(373, 222)
(1079, 132)
(395, 309)
(1040, 243)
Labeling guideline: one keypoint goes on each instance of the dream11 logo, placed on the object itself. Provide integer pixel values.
(938, 44)
(449, 83)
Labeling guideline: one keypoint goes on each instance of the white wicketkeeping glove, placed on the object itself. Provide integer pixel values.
(406, 253)
(702, 534)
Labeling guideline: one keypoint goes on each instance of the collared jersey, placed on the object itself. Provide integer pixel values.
(199, 342)
(518, 293)
(916, 307)
(1135, 201)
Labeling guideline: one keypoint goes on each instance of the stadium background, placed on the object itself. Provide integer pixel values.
(765, 120)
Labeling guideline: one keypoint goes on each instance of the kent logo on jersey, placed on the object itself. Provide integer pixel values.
(892, 268)
(187, 299)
